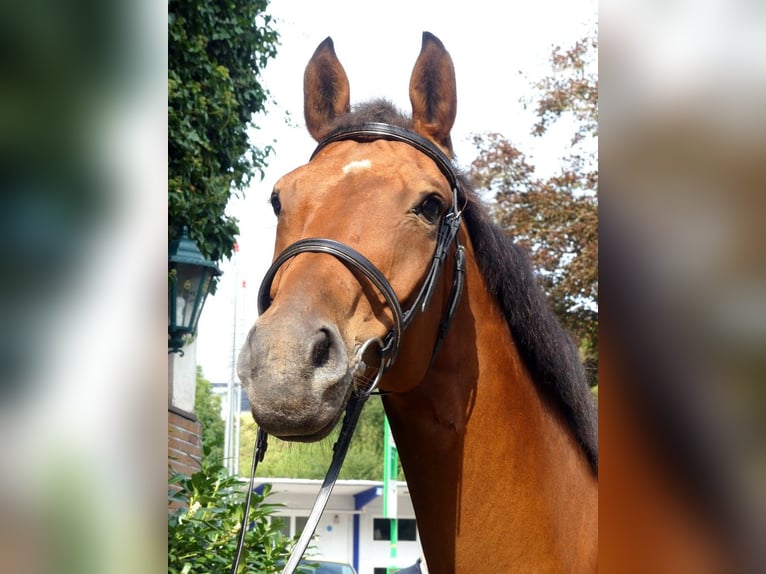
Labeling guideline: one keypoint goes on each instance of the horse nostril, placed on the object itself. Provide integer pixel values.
(320, 353)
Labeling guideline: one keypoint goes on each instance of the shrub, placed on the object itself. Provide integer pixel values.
(204, 519)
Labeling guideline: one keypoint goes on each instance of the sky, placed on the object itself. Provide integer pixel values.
(499, 50)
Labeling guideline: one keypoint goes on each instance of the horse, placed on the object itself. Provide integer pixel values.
(490, 410)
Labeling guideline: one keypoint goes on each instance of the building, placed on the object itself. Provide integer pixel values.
(184, 429)
(352, 528)
(222, 390)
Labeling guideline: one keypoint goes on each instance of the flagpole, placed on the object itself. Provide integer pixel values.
(231, 438)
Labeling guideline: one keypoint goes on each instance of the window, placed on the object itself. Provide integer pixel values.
(406, 529)
(300, 524)
(290, 526)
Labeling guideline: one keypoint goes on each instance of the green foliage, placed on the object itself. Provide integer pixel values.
(216, 52)
(204, 521)
(364, 460)
(207, 407)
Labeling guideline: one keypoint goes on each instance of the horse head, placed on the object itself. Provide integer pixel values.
(385, 200)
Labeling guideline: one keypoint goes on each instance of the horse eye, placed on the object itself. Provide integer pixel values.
(276, 205)
(429, 209)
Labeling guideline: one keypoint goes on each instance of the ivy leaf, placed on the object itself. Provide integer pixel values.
(214, 92)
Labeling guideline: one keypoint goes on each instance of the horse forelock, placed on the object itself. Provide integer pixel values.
(545, 347)
(378, 110)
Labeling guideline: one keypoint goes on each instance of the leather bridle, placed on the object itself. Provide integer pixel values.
(450, 223)
(389, 344)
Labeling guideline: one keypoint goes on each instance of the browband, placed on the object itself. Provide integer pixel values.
(372, 131)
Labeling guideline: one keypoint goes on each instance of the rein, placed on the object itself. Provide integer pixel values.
(389, 345)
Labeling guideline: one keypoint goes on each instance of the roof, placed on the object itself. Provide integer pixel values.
(342, 487)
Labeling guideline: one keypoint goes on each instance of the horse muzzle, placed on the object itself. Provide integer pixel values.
(297, 375)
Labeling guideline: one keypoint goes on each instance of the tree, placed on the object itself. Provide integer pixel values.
(364, 460)
(207, 407)
(555, 217)
(216, 51)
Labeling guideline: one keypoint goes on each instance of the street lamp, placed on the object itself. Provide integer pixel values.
(189, 280)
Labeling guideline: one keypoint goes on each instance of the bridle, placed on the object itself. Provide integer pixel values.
(448, 228)
(388, 346)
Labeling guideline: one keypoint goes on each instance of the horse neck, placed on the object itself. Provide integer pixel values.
(493, 470)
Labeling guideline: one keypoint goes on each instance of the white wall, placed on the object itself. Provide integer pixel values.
(335, 533)
(377, 553)
(184, 377)
(335, 541)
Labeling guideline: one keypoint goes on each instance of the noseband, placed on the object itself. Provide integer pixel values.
(448, 228)
(389, 345)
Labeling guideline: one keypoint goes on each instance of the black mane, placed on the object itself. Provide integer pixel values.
(546, 349)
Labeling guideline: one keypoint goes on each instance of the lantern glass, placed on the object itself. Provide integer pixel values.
(191, 282)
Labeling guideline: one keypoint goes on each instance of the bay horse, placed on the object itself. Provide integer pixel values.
(494, 422)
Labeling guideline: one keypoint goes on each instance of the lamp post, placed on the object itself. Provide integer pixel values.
(189, 281)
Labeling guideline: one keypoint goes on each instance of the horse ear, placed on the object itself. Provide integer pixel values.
(433, 93)
(326, 92)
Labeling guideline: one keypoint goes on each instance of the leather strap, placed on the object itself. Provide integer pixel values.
(353, 410)
(372, 131)
(259, 450)
(355, 261)
(456, 291)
